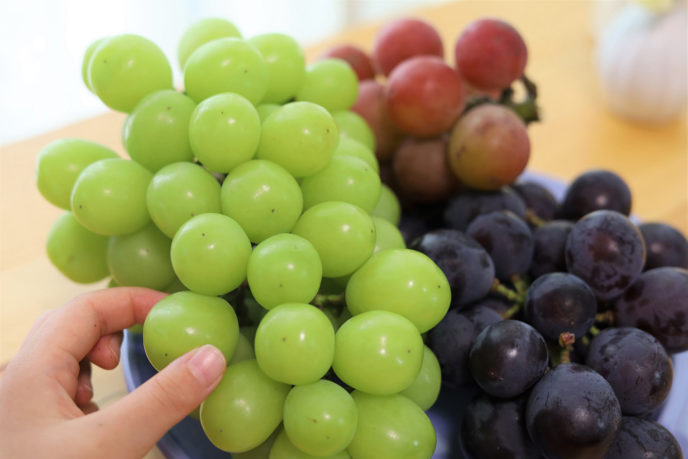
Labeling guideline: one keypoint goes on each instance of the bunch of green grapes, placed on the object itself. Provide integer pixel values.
(254, 198)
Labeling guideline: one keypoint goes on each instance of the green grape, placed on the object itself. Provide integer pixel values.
(425, 389)
(59, 164)
(156, 133)
(265, 110)
(243, 350)
(391, 427)
(210, 253)
(351, 147)
(109, 197)
(261, 451)
(283, 448)
(402, 281)
(378, 352)
(343, 235)
(295, 343)
(299, 136)
(254, 311)
(352, 125)
(346, 179)
(136, 329)
(174, 286)
(78, 253)
(85, 62)
(320, 418)
(141, 259)
(263, 198)
(202, 32)
(125, 68)
(184, 321)
(249, 331)
(224, 131)
(388, 206)
(387, 236)
(331, 83)
(286, 65)
(226, 65)
(284, 268)
(244, 409)
(179, 192)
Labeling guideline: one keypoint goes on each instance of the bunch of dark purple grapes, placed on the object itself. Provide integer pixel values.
(564, 318)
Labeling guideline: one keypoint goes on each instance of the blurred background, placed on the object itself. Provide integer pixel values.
(44, 40)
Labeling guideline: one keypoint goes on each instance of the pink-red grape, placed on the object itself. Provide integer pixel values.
(372, 107)
(355, 57)
(402, 39)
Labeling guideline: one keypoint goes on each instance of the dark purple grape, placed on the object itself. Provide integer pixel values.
(665, 246)
(635, 364)
(607, 251)
(558, 303)
(507, 358)
(494, 301)
(494, 428)
(538, 199)
(643, 439)
(418, 220)
(507, 239)
(549, 242)
(452, 338)
(468, 204)
(468, 267)
(596, 190)
(657, 302)
(572, 413)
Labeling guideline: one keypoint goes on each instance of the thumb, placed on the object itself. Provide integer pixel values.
(146, 414)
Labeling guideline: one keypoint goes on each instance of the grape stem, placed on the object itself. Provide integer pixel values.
(606, 317)
(333, 300)
(532, 218)
(594, 331)
(527, 109)
(566, 340)
(520, 285)
(509, 294)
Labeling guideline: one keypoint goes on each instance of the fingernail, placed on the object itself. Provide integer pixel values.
(207, 365)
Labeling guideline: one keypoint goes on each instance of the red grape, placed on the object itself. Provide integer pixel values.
(355, 57)
(402, 39)
(422, 172)
(490, 54)
(372, 107)
(424, 96)
(489, 147)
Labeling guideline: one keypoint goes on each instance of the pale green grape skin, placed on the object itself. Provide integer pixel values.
(346, 179)
(243, 351)
(388, 206)
(403, 281)
(331, 83)
(184, 321)
(378, 352)
(283, 448)
(299, 136)
(76, 252)
(387, 236)
(425, 389)
(391, 427)
(320, 418)
(244, 409)
(109, 197)
(343, 235)
(125, 68)
(352, 147)
(141, 259)
(295, 343)
(284, 268)
(224, 131)
(156, 133)
(226, 65)
(87, 60)
(59, 164)
(179, 192)
(264, 110)
(261, 451)
(210, 254)
(286, 65)
(352, 125)
(202, 32)
(263, 198)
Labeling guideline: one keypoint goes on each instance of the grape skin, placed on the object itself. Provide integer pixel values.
(665, 245)
(469, 203)
(549, 242)
(596, 190)
(645, 439)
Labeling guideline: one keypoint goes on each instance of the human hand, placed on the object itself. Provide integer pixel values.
(45, 392)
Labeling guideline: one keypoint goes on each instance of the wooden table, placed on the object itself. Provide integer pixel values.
(577, 134)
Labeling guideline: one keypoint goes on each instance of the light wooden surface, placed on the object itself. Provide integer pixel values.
(576, 134)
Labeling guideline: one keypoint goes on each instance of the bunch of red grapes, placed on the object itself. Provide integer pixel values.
(565, 313)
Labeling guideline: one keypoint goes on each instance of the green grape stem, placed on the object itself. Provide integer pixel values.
(331, 300)
(510, 294)
(534, 219)
(594, 331)
(606, 317)
(527, 109)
